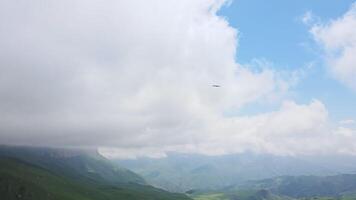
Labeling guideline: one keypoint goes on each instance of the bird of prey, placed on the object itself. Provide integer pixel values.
(216, 85)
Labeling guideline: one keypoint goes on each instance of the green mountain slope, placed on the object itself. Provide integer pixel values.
(19, 180)
(75, 163)
(42, 173)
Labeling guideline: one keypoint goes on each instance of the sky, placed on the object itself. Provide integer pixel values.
(134, 78)
(282, 38)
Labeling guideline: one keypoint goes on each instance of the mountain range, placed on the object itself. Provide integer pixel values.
(30, 173)
(182, 172)
(33, 173)
(337, 187)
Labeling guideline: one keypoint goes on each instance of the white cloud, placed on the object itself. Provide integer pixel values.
(347, 122)
(345, 132)
(136, 76)
(308, 18)
(73, 71)
(338, 40)
(292, 129)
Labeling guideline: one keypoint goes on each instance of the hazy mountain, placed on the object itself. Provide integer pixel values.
(238, 195)
(67, 174)
(338, 187)
(182, 172)
(306, 186)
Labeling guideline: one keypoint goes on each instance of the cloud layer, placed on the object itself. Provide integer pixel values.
(338, 40)
(134, 78)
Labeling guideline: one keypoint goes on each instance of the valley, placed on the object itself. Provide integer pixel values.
(34, 173)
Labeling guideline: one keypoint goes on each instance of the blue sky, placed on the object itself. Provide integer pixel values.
(273, 31)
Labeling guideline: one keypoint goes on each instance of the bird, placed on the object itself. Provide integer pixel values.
(216, 86)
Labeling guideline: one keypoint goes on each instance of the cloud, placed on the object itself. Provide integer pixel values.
(290, 130)
(308, 18)
(76, 71)
(338, 41)
(347, 122)
(134, 77)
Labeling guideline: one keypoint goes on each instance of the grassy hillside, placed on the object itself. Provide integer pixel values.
(60, 178)
(75, 163)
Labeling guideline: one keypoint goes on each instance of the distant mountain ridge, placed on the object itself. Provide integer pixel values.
(306, 186)
(337, 187)
(182, 172)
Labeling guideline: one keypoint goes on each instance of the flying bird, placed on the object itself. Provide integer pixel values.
(216, 85)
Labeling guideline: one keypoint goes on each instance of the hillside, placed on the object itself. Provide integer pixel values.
(60, 178)
(75, 163)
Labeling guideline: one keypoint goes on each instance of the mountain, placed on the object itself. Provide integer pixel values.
(337, 187)
(182, 172)
(75, 163)
(238, 195)
(66, 174)
(306, 186)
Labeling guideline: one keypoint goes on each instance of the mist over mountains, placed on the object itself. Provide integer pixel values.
(177, 100)
(182, 172)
